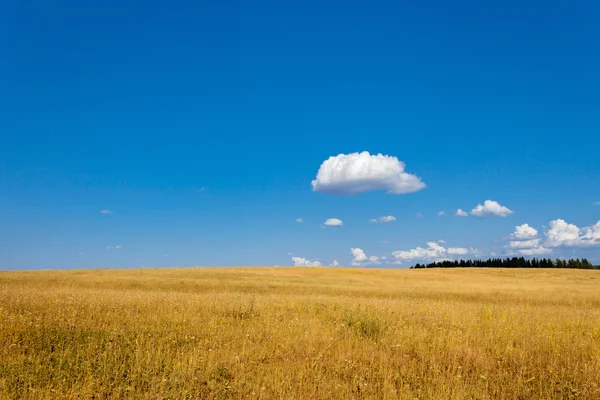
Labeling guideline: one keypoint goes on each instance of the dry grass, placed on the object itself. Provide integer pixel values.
(302, 333)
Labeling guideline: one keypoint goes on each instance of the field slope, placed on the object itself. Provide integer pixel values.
(300, 333)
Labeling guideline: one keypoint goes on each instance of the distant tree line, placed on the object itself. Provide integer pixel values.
(514, 262)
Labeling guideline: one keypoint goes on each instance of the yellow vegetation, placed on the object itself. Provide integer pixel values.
(300, 333)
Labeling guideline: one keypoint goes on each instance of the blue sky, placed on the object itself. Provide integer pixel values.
(201, 129)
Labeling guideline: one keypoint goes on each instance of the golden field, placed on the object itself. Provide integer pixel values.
(300, 333)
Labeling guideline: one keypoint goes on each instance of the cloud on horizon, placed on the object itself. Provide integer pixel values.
(360, 259)
(433, 252)
(303, 262)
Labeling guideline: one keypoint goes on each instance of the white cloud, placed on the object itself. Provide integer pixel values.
(387, 218)
(105, 212)
(536, 251)
(384, 219)
(475, 252)
(333, 222)
(360, 259)
(491, 208)
(525, 232)
(433, 252)
(441, 241)
(461, 213)
(348, 174)
(592, 233)
(359, 256)
(442, 213)
(524, 244)
(303, 262)
(335, 263)
(117, 247)
(457, 251)
(299, 220)
(563, 234)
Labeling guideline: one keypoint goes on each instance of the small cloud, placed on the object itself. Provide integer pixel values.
(461, 213)
(290, 254)
(441, 241)
(117, 247)
(349, 174)
(442, 213)
(419, 215)
(299, 220)
(360, 259)
(333, 222)
(303, 262)
(491, 208)
(335, 263)
(105, 212)
(384, 219)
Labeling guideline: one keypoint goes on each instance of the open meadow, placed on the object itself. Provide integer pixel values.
(300, 333)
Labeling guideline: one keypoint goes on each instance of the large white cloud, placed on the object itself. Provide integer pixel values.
(360, 259)
(333, 222)
(433, 252)
(491, 208)
(303, 262)
(563, 234)
(348, 174)
(525, 232)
